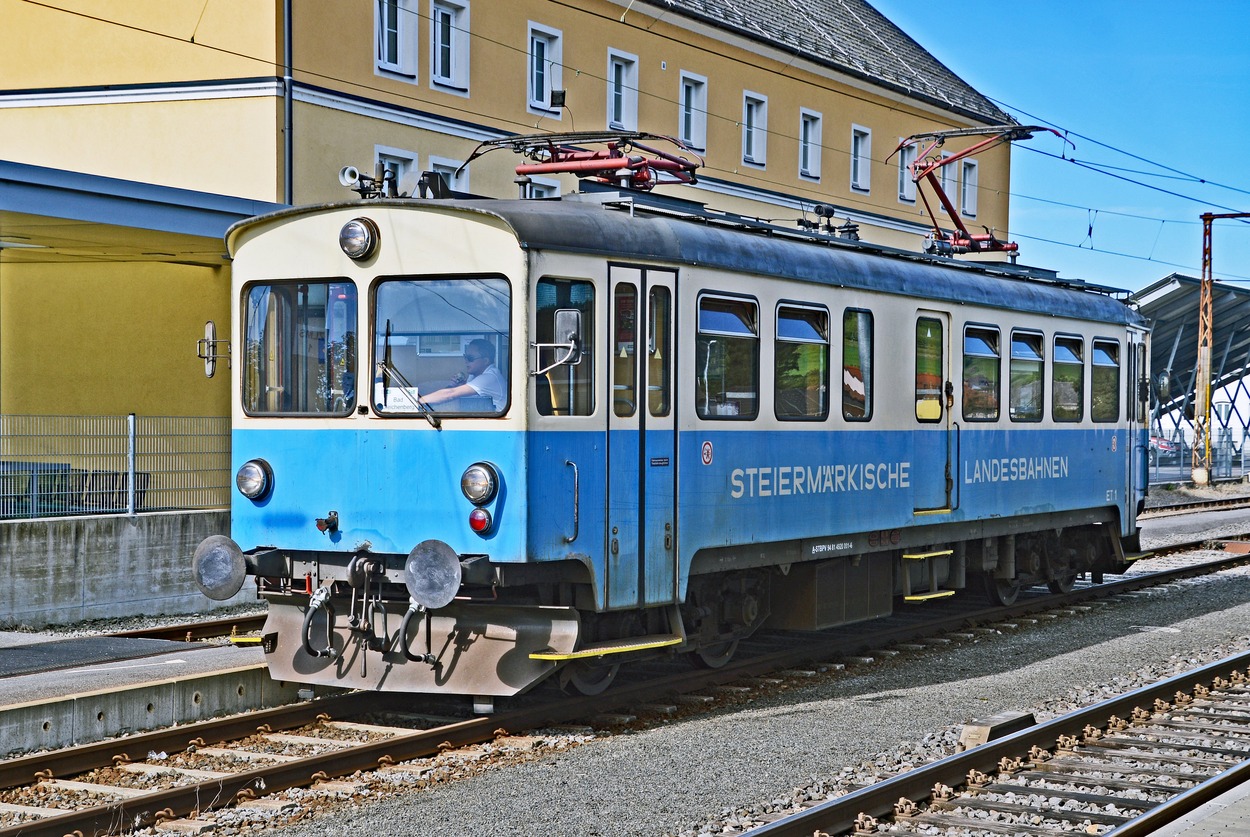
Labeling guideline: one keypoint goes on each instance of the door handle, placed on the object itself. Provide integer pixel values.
(576, 500)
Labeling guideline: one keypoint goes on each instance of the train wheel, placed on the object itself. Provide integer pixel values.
(587, 679)
(1063, 584)
(1000, 591)
(715, 656)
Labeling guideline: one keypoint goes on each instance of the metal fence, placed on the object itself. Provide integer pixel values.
(65, 465)
(1173, 463)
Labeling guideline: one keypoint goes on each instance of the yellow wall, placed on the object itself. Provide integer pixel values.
(111, 339)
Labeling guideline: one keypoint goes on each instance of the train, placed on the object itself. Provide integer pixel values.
(480, 443)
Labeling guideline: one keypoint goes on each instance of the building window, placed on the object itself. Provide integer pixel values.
(622, 91)
(395, 36)
(399, 168)
(754, 129)
(544, 68)
(540, 187)
(968, 192)
(906, 186)
(449, 44)
(981, 373)
(1026, 376)
(457, 179)
(809, 144)
(801, 364)
(948, 179)
(857, 364)
(861, 158)
(693, 128)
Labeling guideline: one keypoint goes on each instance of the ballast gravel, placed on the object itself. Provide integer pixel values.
(812, 738)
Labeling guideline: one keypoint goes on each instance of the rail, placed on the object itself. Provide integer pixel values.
(54, 466)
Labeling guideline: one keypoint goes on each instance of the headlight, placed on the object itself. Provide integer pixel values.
(254, 479)
(479, 483)
(359, 238)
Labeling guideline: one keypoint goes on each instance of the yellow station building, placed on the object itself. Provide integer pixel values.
(132, 134)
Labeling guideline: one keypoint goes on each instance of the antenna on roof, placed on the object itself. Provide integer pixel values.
(924, 171)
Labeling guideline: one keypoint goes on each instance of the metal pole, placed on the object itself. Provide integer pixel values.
(130, 465)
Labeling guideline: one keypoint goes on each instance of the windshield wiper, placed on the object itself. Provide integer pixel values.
(386, 367)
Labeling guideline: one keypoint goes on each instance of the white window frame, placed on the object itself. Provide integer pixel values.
(754, 129)
(548, 74)
(692, 110)
(403, 162)
(861, 158)
(948, 176)
(906, 186)
(453, 73)
(403, 63)
(622, 102)
(811, 127)
(968, 188)
(542, 187)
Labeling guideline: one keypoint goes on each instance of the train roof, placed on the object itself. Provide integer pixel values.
(640, 226)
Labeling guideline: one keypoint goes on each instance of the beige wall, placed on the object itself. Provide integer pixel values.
(111, 339)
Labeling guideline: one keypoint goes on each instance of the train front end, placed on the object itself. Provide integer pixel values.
(379, 453)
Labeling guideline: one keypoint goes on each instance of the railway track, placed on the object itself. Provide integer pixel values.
(218, 764)
(1131, 764)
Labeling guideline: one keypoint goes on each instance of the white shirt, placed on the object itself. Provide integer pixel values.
(491, 384)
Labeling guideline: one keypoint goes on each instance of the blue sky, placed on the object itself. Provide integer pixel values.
(1168, 82)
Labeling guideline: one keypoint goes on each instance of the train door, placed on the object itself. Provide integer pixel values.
(641, 520)
(931, 467)
(1138, 402)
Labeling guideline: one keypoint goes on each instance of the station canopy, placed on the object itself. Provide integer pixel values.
(1171, 304)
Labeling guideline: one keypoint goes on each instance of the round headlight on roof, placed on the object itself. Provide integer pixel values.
(479, 483)
(254, 479)
(359, 238)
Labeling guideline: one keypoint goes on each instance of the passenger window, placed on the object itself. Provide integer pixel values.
(624, 332)
(982, 367)
(1105, 384)
(801, 387)
(567, 389)
(857, 364)
(929, 369)
(1026, 376)
(727, 353)
(1068, 389)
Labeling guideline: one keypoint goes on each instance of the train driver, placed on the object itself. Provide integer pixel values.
(484, 378)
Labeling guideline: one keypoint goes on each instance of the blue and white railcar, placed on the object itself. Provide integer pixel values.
(706, 426)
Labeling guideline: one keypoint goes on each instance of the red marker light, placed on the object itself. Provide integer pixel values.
(480, 521)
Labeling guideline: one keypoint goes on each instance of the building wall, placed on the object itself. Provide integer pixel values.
(111, 339)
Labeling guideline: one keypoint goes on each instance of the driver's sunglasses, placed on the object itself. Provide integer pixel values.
(471, 358)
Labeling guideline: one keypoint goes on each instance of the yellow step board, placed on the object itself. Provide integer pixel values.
(613, 646)
(924, 597)
(1137, 556)
(920, 556)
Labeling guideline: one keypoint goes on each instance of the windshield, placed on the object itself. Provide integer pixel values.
(299, 348)
(441, 345)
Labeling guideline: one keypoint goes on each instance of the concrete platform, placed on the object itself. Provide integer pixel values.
(1224, 816)
(98, 698)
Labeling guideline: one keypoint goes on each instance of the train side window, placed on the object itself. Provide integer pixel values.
(659, 353)
(801, 367)
(857, 364)
(567, 389)
(1068, 386)
(1026, 382)
(727, 358)
(982, 368)
(1105, 381)
(625, 338)
(929, 366)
